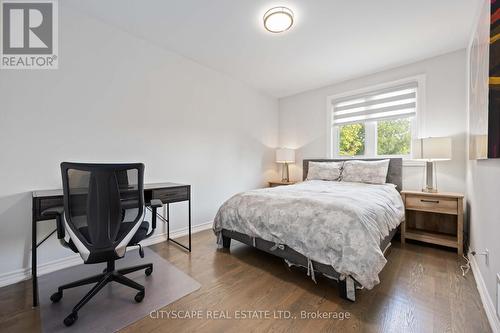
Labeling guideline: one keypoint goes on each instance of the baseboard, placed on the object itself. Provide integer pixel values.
(22, 274)
(25, 273)
(488, 304)
(176, 233)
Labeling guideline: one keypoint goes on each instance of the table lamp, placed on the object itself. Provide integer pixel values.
(431, 150)
(285, 156)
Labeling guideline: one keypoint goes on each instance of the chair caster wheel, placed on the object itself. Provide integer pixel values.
(149, 271)
(70, 320)
(56, 297)
(139, 296)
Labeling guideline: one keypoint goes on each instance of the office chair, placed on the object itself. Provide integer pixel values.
(103, 214)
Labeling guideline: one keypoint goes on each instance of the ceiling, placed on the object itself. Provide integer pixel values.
(331, 40)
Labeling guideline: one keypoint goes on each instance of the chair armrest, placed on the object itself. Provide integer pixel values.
(58, 212)
(53, 211)
(156, 203)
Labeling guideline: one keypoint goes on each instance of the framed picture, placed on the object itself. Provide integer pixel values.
(484, 94)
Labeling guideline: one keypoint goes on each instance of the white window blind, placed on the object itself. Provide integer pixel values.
(389, 103)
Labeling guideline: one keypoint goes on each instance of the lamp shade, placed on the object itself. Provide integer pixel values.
(432, 149)
(285, 155)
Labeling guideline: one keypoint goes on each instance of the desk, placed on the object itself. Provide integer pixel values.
(166, 192)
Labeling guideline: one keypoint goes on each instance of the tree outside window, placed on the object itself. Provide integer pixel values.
(388, 138)
(394, 137)
(352, 139)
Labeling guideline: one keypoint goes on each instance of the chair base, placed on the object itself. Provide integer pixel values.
(110, 274)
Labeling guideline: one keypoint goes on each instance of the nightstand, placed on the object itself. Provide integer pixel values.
(436, 218)
(280, 183)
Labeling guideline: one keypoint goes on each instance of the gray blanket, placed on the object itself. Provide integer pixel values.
(335, 223)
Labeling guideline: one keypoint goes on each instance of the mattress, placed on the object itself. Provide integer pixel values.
(339, 224)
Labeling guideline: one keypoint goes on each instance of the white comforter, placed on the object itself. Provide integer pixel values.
(335, 223)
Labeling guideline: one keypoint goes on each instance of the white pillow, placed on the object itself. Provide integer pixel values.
(371, 172)
(324, 170)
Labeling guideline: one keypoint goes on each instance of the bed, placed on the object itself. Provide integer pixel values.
(338, 229)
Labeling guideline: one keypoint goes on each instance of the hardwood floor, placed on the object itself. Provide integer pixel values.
(421, 290)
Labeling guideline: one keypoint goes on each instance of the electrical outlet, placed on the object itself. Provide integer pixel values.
(485, 253)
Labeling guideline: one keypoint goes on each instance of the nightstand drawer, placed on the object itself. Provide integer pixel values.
(432, 204)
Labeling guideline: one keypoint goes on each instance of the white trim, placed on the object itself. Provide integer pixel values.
(45, 268)
(22, 274)
(413, 163)
(477, 17)
(488, 305)
(177, 233)
(497, 295)
(370, 139)
(419, 131)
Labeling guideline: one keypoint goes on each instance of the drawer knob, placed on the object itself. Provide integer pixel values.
(430, 201)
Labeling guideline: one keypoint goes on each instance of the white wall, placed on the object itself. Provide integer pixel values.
(119, 98)
(303, 116)
(483, 188)
(483, 206)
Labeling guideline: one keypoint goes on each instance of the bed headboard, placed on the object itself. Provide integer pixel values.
(394, 174)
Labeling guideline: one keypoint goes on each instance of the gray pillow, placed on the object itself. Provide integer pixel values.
(371, 172)
(324, 170)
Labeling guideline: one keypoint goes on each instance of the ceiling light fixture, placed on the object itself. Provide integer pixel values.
(278, 19)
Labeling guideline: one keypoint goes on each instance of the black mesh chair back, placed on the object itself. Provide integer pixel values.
(103, 207)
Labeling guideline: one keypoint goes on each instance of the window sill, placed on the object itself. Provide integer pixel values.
(413, 163)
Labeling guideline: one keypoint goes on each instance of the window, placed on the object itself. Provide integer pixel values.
(352, 139)
(376, 123)
(394, 137)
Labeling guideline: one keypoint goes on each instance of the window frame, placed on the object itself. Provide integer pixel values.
(333, 133)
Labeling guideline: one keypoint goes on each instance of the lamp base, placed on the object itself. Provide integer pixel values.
(429, 190)
(284, 173)
(430, 178)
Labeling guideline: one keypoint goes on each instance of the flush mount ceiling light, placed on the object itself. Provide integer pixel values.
(278, 19)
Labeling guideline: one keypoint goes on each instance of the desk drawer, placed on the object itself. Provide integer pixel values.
(432, 204)
(174, 194)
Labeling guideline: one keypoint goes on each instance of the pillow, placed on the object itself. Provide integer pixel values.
(371, 172)
(324, 170)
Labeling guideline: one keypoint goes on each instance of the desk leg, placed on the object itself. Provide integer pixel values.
(34, 277)
(168, 222)
(189, 226)
(189, 221)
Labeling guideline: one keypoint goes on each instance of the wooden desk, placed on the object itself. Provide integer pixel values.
(166, 192)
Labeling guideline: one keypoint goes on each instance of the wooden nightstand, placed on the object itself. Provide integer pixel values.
(436, 218)
(280, 183)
